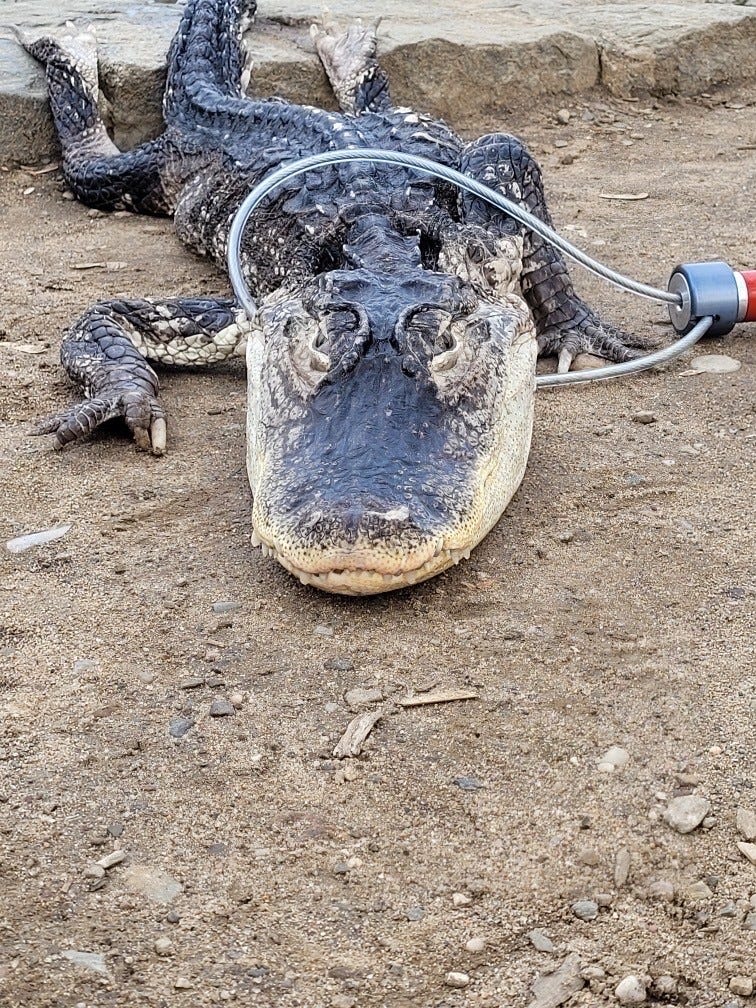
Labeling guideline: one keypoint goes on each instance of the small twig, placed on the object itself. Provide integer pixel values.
(438, 696)
(357, 731)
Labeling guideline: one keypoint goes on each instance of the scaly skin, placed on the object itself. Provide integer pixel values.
(391, 367)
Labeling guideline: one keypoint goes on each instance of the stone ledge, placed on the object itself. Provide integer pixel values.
(493, 59)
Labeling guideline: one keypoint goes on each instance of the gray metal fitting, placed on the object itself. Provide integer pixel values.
(707, 288)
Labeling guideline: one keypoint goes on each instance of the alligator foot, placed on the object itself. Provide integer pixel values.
(587, 333)
(144, 417)
(348, 55)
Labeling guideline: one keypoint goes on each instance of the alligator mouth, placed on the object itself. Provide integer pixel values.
(364, 581)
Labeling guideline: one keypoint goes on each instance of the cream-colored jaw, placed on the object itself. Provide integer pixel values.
(368, 568)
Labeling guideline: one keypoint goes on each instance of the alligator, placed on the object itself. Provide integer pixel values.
(391, 362)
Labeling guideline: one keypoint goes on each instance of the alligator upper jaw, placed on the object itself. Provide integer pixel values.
(363, 580)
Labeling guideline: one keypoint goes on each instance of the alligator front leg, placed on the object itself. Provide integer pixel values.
(349, 59)
(565, 324)
(107, 353)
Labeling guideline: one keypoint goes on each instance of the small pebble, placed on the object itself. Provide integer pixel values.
(460, 899)
(236, 700)
(360, 697)
(475, 944)
(225, 607)
(146, 677)
(192, 682)
(644, 417)
(698, 890)
(339, 665)
(749, 923)
(563, 116)
(93, 870)
(181, 983)
(593, 973)
(630, 990)
(115, 829)
(179, 726)
(588, 857)
(457, 979)
(665, 986)
(222, 708)
(468, 783)
(621, 867)
(323, 631)
(586, 910)
(661, 889)
(741, 985)
(686, 813)
(613, 759)
(745, 821)
(164, 946)
(110, 860)
(748, 850)
(540, 941)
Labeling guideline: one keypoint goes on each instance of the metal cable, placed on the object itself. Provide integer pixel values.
(427, 167)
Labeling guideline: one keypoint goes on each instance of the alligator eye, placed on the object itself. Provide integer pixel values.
(428, 328)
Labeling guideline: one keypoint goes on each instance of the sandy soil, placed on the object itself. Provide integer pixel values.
(610, 606)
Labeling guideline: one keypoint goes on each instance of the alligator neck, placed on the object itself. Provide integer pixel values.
(373, 242)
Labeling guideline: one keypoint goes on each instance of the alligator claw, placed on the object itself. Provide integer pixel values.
(591, 335)
(143, 414)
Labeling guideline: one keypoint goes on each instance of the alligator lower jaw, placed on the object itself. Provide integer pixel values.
(366, 582)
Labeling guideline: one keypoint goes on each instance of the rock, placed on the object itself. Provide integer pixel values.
(553, 989)
(630, 990)
(146, 676)
(321, 630)
(745, 821)
(750, 921)
(613, 759)
(154, 883)
(222, 708)
(236, 700)
(475, 944)
(621, 867)
(414, 913)
(644, 417)
(92, 961)
(460, 899)
(456, 979)
(748, 850)
(359, 697)
(93, 870)
(225, 607)
(164, 946)
(540, 941)
(741, 985)
(181, 983)
(585, 910)
(563, 116)
(22, 543)
(686, 813)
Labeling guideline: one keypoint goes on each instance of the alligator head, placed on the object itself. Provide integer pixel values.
(389, 415)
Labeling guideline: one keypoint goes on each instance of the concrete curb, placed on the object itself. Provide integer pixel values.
(485, 61)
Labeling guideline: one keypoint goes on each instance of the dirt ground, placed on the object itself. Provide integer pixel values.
(609, 607)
